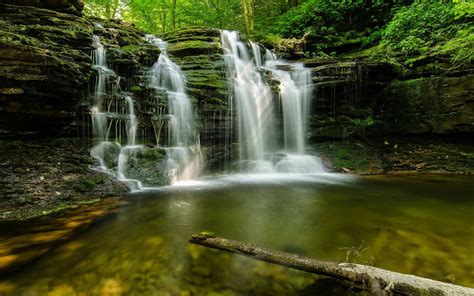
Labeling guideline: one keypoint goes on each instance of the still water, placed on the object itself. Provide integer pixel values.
(416, 225)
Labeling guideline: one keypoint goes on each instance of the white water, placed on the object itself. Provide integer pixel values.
(184, 154)
(295, 95)
(263, 148)
(256, 109)
(253, 99)
(115, 122)
(113, 116)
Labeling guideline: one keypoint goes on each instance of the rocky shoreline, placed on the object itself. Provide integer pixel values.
(45, 176)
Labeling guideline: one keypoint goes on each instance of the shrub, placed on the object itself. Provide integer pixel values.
(432, 27)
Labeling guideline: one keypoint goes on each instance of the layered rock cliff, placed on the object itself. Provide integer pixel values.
(44, 68)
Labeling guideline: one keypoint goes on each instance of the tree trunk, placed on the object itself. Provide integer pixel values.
(251, 15)
(248, 7)
(376, 280)
(173, 14)
(114, 8)
(164, 21)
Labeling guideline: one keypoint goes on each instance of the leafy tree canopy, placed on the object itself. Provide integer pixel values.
(401, 26)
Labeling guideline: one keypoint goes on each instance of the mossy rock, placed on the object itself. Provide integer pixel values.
(429, 105)
(350, 156)
(192, 47)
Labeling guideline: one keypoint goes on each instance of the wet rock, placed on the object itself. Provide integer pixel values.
(44, 68)
(40, 177)
(65, 6)
(438, 105)
(198, 52)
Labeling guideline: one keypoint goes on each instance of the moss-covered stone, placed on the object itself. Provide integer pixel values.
(192, 47)
(349, 156)
(437, 105)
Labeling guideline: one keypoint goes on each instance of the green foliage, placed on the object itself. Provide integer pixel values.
(157, 16)
(107, 9)
(432, 28)
(369, 121)
(416, 29)
(333, 24)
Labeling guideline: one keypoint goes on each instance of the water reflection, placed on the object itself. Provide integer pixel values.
(418, 226)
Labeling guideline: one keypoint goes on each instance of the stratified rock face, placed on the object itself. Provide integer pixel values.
(198, 52)
(359, 98)
(128, 53)
(345, 96)
(45, 66)
(438, 105)
(66, 6)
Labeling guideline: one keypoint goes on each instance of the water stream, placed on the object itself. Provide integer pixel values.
(184, 159)
(258, 108)
(115, 122)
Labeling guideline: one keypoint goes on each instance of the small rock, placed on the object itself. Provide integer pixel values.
(395, 146)
(386, 143)
(346, 170)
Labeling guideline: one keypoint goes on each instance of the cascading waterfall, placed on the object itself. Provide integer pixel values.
(115, 124)
(184, 160)
(268, 94)
(256, 109)
(253, 101)
(113, 115)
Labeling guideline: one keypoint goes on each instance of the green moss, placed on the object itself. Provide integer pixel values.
(131, 48)
(369, 121)
(192, 47)
(354, 156)
(135, 88)
(86, 184)
(153, 154)
(216, 101)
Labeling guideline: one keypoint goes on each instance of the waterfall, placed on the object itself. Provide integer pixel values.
(184, 160)
(269, 97)
(257, 109)
(295, 93)
(114, 121)
(115, 125)
(253, 100)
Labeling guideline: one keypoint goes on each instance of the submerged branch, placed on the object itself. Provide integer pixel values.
(377, 280)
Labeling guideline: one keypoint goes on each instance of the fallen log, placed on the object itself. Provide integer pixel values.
(378, 281)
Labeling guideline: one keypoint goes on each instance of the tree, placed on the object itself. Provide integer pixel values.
(248, 7)
(107, 9)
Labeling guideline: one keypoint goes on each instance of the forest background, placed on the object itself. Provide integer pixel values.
(398, 27)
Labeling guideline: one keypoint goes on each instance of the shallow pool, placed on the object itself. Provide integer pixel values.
(417, 225)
